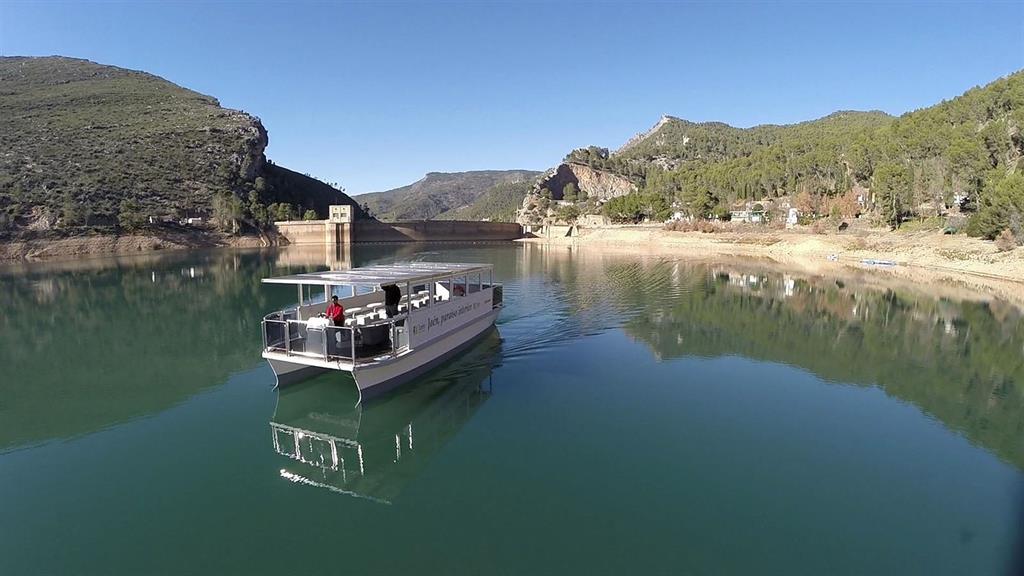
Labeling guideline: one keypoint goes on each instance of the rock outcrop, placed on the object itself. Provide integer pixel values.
(642, 136)
(597, 185)
(601, 185)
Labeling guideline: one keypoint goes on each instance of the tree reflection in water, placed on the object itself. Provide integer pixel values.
(956, 353)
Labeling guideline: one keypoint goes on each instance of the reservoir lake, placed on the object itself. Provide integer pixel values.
(629, 415)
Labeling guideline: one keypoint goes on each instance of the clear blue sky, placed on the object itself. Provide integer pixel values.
(375, 94)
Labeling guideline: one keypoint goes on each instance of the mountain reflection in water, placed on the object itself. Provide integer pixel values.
(656, 414)
(124, 337)
(956, 353)
(372, 450)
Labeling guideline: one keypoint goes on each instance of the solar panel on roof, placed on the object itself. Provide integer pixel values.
(381, 274)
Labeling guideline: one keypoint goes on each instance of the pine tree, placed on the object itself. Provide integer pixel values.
(569, 193)
(892, 191)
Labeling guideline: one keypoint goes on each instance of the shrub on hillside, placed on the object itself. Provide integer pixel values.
(73, 213)
(1006, 241)
(129, 215)
(567, 214)
(634, 207)
(955, 224)
(281, 211)
(1001, 207)
(845, 206)
(570, 193)
(695, 225)
(227, 211)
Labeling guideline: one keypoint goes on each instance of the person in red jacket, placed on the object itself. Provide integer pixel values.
(336, 312)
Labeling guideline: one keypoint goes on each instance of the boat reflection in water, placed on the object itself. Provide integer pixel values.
(372, 450)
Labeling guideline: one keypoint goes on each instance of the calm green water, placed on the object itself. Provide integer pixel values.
(631, 415)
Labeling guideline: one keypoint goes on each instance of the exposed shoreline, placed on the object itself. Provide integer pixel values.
(95, 245)
(929, 257)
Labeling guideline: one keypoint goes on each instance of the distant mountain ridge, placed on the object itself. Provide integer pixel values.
(636, 140)
(88, 145)
(438, 193)
(497, 204)
(674, 140)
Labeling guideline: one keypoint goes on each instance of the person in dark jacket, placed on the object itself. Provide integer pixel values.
(392, 296)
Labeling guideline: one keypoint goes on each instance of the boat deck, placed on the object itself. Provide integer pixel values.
(390, 311)
(362, 352)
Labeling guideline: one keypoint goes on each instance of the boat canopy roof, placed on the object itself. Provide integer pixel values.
(382, 274)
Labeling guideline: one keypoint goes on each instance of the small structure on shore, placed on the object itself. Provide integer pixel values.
(792, 217)
(592, 220)
(744, 211)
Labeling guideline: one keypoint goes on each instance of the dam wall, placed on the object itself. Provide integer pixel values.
(329, 232)
(302, 232)
(435, 231)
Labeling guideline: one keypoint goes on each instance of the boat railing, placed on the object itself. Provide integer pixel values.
(357, 343)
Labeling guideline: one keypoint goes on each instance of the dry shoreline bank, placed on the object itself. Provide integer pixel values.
(926, 257)
(929, 257)
(119, 245)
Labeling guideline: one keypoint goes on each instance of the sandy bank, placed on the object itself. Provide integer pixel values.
(95, 245)
(920, 256)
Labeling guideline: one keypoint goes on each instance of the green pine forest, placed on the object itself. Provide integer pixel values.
(498, 203)
(968, 148)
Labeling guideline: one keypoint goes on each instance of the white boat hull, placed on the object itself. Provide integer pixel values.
(290, 372)
(379, 376)
(374, 379)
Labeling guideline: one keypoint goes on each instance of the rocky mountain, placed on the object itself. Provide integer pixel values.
(84, 145)
(964, 153)
(438, 193)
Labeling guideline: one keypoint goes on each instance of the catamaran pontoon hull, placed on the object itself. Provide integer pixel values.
(414, 317)
(378, 378)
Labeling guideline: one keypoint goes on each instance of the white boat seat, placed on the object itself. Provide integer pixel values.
(317, 323)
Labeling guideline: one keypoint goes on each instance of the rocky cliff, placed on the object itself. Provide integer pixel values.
(594, 184)
(82, 143)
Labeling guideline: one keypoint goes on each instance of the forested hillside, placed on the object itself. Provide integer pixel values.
(87, 146)
(438, 192)
(498, 204)
(963, 153)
